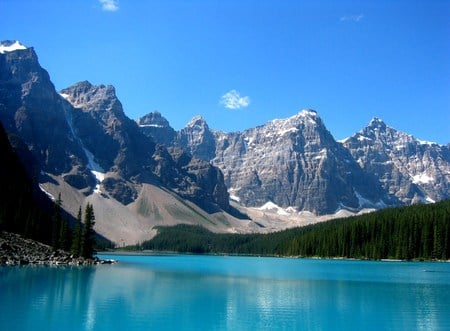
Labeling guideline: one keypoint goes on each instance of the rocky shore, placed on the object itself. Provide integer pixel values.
(17, 250)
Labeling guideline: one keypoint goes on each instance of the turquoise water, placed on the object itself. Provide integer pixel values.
(190, 292)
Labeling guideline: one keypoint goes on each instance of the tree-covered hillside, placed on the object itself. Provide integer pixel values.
(415, 232)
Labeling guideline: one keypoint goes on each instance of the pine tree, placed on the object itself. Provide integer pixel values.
(76, 236)
(88, 234)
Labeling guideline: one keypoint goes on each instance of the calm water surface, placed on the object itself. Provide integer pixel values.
(189, 292)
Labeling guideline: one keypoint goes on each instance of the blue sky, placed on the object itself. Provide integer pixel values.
(241, 63)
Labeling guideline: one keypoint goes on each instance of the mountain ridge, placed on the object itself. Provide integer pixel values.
(203, 142)
(283, 173)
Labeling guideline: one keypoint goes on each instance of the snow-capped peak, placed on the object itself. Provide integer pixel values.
(10, 46)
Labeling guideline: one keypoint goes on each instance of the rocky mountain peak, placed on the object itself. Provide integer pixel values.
(97, 98)
(197, 122)
(308, 113)
(155, 126)
(198, 139)
(306, 118)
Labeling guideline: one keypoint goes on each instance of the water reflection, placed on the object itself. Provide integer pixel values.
(36, 296)
(214, 294)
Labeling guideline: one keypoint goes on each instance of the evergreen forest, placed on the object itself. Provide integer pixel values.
(419, 232)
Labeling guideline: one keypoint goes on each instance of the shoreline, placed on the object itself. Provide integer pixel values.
(168, 253)
(16, 250)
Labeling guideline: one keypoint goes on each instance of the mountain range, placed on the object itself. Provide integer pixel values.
(140, 174)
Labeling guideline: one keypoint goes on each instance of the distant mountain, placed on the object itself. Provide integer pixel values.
(410, 169)
(295, 164)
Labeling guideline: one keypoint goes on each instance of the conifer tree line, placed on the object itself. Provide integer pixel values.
(53, 228)
(406, 233)
(80, 240)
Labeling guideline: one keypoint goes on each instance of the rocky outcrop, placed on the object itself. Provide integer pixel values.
(17, 250)
(410, 169)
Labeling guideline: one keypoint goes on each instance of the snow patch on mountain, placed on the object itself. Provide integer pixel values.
(11, 46)
(429, 200)
(51, 196)
(65, 96)
(422, 179)
(272, 207)
(424, 142)
(151, 126)
(96, 170)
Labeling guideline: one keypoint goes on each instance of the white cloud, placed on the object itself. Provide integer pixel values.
(233, 100)
(352, 18)
(109, 5)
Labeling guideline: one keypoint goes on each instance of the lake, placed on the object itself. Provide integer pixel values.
(194, 292)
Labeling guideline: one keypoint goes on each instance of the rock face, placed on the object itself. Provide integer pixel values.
(412, 170)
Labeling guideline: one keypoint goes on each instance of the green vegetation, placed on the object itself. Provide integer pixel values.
(87, 234)
(415, 232)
